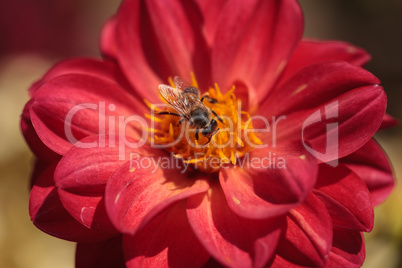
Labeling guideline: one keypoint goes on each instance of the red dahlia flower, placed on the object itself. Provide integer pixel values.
(289, 179)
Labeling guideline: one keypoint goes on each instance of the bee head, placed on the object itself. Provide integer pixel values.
(213, 125)
(209, 130)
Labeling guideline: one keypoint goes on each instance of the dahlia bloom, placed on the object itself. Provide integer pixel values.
(297, 185)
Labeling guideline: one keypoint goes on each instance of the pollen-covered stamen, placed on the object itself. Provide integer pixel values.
(227, 136)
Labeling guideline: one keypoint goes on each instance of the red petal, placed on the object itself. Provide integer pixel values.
(153, 46)
(108, 44)
(92, 105)
(167, 241)
(253, 41)
(102, 254)
(310, 52)
(31, 137)
(88, 210)
(281, 181)
(308, 237)
(316, 85)
(49, 215)
(280, 262)
(348, 249)
(106, 70)
(143, 187)
(88, 169)
(180, 38)
(331, 105)
(211, 11)
(230, 239)
(346, 197)
(388, 122)
(81, 178)
(121, 39)
(372, 165)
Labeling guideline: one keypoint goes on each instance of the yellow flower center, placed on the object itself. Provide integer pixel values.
(231, 140)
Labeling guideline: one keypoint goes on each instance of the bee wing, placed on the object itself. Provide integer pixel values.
(175, 98)
(180, 83)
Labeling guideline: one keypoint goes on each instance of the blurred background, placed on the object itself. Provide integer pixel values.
(36, 34)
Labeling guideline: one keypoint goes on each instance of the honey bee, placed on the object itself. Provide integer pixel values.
(187, 101)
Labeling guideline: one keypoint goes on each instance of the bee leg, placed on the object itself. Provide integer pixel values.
(196, 133)
(217, 116)
(210, 137)
(210, 100)
(170, 113)
(182, 120)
